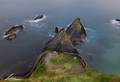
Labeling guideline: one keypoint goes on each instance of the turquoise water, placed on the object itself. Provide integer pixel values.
(103, 33)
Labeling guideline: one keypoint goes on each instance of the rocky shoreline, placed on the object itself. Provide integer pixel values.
(62, 42)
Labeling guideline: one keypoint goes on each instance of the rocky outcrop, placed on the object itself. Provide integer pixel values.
(56, 30)
(39, 17)
(76, 32)
(11, 36)
(117, 20)
(11, 33)
(60, 43)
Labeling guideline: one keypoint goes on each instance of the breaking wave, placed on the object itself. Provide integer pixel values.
(115, 22)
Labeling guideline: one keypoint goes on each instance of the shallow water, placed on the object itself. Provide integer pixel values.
(103, 33)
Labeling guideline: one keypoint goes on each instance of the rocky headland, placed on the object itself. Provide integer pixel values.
(62, 43)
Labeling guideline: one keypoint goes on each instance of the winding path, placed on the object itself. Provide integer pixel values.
(46, 55)
(77, 67)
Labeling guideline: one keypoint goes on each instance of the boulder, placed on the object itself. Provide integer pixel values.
(56, 30)
(14, 29)
(60, 43)
(39, 17)
(76, 32)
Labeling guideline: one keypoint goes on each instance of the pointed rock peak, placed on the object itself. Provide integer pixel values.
(60, 43)
(76, 31)
(76, 24)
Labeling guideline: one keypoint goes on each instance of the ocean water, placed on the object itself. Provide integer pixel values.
(103, 32)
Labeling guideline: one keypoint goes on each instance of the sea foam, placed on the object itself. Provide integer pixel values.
(115, 22)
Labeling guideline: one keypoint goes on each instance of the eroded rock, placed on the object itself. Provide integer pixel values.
(39, 17)
(56, 30)
(11, 36)
(76, 32)
(117, 20)
(11, 33)
(60, 43)
(14, 29)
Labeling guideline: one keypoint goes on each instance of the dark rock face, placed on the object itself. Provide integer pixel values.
(39, 17)
(14, 29)
(117, 20)
(11, 33)
(56, 30)
(60, 43)
(76, 32)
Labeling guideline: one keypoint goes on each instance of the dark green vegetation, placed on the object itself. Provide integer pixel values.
(64, 58)
(45, 74)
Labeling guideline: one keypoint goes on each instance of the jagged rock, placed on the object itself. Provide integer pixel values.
(14, 29)
(60, 43)
(76, 32)
(11, 33)
(39, 17)
(56, 30)
(11, 36)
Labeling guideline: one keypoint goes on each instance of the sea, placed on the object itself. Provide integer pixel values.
(100, 49)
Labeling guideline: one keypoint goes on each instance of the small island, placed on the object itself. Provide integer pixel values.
(12, 32)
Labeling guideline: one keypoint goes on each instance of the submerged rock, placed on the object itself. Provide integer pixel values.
(60, 43)
(39, 17)
(11, 33)
(76, 32)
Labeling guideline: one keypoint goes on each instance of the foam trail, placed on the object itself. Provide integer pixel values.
(38, 20)
(88, 29)
(51, 34)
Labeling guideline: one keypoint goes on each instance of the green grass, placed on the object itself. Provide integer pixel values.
(46, 74)
(62, 59)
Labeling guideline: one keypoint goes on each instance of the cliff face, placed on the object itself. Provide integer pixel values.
(76, 32)
(60, 43)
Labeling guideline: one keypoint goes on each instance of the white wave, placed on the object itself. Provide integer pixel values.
(38, 20)
(69, 24)
(88, 29)
(115, 22)
(86, 39)
(51, 34)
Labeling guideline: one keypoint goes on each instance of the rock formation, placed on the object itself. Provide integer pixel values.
(39, 17)
(118, 20)
(11, 36)
(60, 43)
(11, 33)
(56, 30)
(76, 32)
(14, 29)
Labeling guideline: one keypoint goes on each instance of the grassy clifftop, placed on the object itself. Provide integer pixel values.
(44, 73)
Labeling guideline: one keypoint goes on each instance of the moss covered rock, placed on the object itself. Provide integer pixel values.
(76, 32)
(60, 43)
